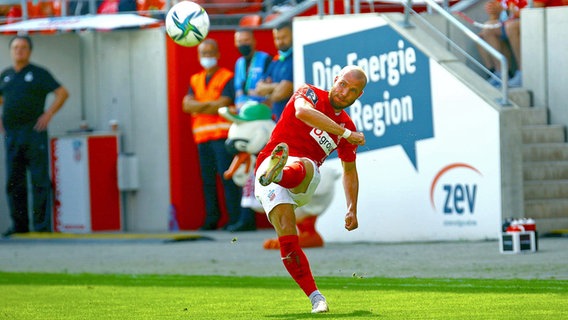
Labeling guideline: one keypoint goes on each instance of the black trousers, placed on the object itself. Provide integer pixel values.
(27, 151)
(214, 160)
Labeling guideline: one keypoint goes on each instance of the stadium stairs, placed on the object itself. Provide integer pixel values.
(545, 167)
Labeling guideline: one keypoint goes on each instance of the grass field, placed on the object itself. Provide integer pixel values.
(89, 296)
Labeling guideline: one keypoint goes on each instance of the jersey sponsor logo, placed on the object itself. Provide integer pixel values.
(323, 139)
(29, 77)
(310, 94)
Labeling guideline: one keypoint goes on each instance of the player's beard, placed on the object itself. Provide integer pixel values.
(342, 104)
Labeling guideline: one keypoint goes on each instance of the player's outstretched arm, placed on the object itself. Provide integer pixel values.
(351, 188)
(306, 112)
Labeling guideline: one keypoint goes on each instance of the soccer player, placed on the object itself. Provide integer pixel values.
(312, 126)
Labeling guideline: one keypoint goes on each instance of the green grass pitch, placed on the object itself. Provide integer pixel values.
(90, 296)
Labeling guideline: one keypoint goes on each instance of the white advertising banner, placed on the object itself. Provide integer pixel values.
(431, 167)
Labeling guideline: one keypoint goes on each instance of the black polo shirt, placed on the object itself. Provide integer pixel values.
(24, 94)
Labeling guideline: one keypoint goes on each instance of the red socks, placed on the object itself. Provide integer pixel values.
(292, 255)
(293, 175)
(296, 263)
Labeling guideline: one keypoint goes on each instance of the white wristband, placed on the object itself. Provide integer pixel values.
(346, 134)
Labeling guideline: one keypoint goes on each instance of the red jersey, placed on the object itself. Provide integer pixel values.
(306, 141)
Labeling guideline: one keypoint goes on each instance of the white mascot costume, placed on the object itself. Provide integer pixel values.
(248, 134)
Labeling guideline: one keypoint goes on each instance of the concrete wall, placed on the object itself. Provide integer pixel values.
(534, 68)
(114, 76)
(126, 69)
(544, 59)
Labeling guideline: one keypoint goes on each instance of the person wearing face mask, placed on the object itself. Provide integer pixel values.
(249, 68)
(277, 85)
(209, 90)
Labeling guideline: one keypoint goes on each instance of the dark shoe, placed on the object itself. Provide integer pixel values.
(8, 233)
(239, 227)
(208, 227)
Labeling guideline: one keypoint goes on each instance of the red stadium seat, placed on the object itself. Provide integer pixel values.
(250, 20)
(271, 17)
(108, 7)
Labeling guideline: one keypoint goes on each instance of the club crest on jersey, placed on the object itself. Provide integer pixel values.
(310, 94)
(271, 195)
(29, 77)
(326, 143)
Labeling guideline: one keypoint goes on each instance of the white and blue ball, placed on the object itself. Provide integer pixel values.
(187, 23)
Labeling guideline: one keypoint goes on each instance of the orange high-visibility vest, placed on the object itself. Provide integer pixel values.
(207, 127)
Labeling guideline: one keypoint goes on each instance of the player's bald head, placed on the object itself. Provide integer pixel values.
(356, 72)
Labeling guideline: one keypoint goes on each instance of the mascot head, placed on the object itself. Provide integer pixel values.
(248, 134)
(251, 127)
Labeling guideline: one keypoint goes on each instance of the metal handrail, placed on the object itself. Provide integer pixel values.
(474, 37)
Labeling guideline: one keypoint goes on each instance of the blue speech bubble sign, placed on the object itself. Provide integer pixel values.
(396, 107)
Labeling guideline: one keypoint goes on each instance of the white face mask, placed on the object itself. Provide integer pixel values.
(208, 63)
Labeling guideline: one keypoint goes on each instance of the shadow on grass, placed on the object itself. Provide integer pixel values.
(329, 315)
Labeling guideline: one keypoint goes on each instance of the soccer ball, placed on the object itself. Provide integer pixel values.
(187, 23)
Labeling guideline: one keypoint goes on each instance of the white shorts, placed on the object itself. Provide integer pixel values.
(273, 194)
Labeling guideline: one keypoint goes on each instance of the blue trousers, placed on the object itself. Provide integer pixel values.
(27, 150)
(214, 160)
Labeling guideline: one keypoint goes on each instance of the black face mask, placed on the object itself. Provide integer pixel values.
(245, 50)
(284, 49)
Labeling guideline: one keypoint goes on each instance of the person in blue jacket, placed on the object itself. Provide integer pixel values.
(277, 85)
(249, 68)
